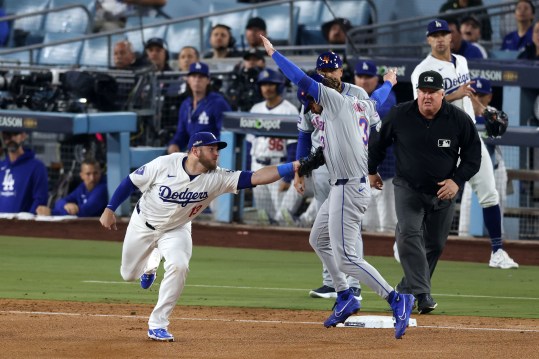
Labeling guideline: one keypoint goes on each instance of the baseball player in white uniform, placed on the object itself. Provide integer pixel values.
(457, 81)
(337, 228)
(269, 150)
(175, 189)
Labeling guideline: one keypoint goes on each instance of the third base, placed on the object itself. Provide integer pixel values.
(372, 321)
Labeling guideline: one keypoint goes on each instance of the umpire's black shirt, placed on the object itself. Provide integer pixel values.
(427, 151)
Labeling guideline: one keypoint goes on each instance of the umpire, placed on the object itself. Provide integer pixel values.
(429, 137)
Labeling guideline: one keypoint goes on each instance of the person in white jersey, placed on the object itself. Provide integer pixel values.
(337, 228)
(457, 86)
(175, 189)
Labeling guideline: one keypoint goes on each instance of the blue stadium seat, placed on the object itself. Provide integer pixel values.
(74, 20)
(183, 8)
(503, 55)
(183, 34)
(18, 7)
(22, 57)
(136, 37)
(358, 12)
(95, 52)
(310, 12)
(278, 22)
(65, 54)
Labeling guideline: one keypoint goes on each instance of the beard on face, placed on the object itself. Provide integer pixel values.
(12, 146)
(207, 162)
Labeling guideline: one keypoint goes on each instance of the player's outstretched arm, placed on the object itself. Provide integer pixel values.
(270, 174)
(124, 190)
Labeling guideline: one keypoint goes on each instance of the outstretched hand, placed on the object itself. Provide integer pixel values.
(267, 45)
(108, 219)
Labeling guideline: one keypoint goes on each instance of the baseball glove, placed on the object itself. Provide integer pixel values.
(496, 122)
(311, 162)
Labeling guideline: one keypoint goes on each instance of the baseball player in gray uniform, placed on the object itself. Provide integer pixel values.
(175, 189)
(337, 228)
(457, 81)
(329, 64)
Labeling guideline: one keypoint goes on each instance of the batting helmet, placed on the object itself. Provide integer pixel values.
(269, 76)
(328, 60)
(304, 97)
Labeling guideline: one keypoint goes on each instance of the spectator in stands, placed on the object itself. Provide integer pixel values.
(519, 39)
(243, 91)
(89, 199)
(157, 53)
(334, 31)
(187, 56)
(255, 27)
(381, 215)
(112, 14)
(24, 178)
(531, 52)
(460, 46)
(453, 5)
(470, 30)
(222, 43)
(125, 57)
(201, 111)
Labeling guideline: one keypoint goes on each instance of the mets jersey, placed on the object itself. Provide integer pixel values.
(170, 198)
(454, 75)
(347, 120)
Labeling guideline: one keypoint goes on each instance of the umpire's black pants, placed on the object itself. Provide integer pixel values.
(423, 225)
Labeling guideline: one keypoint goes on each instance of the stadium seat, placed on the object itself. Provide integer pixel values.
(73, 20)
(176, 8)
(137, 37)
(358, 12)
(183, 34)
(503, 55)
(22, 57)
(310, 12)
(21, 28)
(278, 22)
(95, 52)
(64, 54)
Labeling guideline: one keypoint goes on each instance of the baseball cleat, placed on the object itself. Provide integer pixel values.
(161, 335)
(345, 306)
(357, 293)
(501, 259)
(324, 291)
(425, 303)
(147, 279)
(402, 308)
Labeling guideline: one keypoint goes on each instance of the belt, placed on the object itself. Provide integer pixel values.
(343, 181)
(146, 223)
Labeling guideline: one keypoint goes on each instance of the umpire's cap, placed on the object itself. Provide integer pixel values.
(430, 80)
(205, 139)
(481, 85)
(328, 60)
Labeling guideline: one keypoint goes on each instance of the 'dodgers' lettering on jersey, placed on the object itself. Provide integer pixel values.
(182, 198)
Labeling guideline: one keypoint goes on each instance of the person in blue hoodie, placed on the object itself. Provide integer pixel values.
(24, 181)
(90, 197)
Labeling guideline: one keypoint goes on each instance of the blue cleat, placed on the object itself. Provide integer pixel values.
(345, 305)
(146, 280)
(161, 335)
(402, 305)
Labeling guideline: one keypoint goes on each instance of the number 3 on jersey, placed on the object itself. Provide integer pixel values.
(364, 128)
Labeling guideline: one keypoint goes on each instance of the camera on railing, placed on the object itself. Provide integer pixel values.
(33, 90)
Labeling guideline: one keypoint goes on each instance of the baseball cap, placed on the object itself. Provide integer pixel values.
(471, 18)
(259, 54)
(481, 85)
(256, 22)
(345, 24)
(156, 41)
(205, 139)
(199, 68)
(365, 67)
(328, 60)
(430, 80)
(437, 25)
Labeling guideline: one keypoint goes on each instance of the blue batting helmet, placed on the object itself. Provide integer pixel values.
(328, 60)
(269, 76)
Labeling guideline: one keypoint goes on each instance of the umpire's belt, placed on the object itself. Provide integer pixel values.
(343, 181)
(266, 161)
(146, 223)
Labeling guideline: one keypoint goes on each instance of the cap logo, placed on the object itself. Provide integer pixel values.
(478, 84)
(438, 24)
(428, 79)
(196, 143)
(265, 74)
(365, 66)
(326, 59)
(198, 66)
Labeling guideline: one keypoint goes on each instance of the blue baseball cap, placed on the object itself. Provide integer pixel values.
(328, 60)
(365, 67)
(437, 25)
(205, 139)
(481, 85)
(199, 68)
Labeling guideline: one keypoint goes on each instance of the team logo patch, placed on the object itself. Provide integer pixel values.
(140, 171)
(444, 143)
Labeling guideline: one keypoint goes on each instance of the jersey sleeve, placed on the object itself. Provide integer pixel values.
(229, 180)
(145, 175)
(304, 122)
(372, 114)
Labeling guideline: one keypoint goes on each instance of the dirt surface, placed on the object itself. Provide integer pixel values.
(47, 329)
(54, 329)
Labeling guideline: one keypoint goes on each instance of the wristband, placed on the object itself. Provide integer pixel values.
(286, 170)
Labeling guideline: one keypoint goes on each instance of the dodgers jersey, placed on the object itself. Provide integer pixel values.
(344, 132)
(307, 122)
(454, 76)
(170, 198)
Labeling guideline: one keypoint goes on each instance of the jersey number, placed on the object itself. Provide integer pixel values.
(364, 128)
(275, 144)
(195, 210)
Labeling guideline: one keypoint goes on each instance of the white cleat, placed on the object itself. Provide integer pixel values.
(501, 259)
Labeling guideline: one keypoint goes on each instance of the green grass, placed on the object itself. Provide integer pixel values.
(54, 269)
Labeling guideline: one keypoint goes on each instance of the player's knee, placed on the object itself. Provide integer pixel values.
(180, 268)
